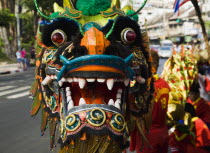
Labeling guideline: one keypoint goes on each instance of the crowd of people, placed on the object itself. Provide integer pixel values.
(176, 127)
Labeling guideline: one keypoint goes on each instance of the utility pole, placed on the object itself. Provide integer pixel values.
(18, 24)
(164, 20)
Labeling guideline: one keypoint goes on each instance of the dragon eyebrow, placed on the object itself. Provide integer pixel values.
(112, 28)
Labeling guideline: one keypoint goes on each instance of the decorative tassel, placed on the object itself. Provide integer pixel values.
(35, 105)
(43, 119)
(83, 137)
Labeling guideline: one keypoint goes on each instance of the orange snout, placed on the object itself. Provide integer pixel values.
(95, 41)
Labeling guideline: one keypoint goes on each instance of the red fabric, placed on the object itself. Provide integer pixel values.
(158, 135)
(207, 84)
(201, 131)
(161, 102)
(202, 109)
(182, 146)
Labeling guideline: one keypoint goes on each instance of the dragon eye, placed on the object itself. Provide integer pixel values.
(58, 37)
(128, 35)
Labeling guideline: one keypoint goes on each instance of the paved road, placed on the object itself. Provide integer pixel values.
(19, 133)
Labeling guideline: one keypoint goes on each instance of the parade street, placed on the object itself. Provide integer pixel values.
(20, 133)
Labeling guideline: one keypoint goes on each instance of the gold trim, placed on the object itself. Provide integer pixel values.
(70, 123)
(97, 118)
(115, 119)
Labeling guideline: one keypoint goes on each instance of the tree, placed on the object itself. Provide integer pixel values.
(6, 18)
(8, 27)
(197, 9)
(45, 6)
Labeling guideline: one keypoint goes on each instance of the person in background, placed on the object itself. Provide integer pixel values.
(32, 54)
(201, 106)
(177, 48)
(200, 129)
(188, 46)
(23, 58)
(204, 83)
(181, 139)
(18, 57)
(158, 135)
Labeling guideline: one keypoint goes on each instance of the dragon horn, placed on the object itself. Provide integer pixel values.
(57, 8)
(37, 7)
(142, 6)
(68, 3)
(115, 3)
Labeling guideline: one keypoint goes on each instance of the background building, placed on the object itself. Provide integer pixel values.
(159, 19)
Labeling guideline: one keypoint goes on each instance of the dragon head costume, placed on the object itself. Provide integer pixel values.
(93, 78)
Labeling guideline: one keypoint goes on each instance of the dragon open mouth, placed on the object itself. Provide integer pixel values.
(81, 91)
(107, 86)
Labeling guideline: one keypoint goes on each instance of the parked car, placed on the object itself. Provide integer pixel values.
(165, 43)
(165, 52)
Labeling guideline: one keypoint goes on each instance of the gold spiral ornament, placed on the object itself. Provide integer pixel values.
(72, 122)
(62, 131)
(117, 123)
(96, 117)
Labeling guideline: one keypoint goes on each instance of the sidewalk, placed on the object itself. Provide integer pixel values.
(6, 68)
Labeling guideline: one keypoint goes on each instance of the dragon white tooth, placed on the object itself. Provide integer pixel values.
(119, 90)
(70, 80)
(119, 95)
(111, 102)
(75, 79)
(82, 82)
(67, 88)
(60, 83)
(63, 79)
(126, 82)
(68, 93)
(100, 80)
(68, 99)
(117, 104)
(46, 80)
(70, 104)
(118, 101)
(52, 77)
(82, 101)
(90, 79)
(110, 83)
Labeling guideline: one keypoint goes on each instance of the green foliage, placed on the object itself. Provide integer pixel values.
(6, 17)
(46, 6)
(28, 18)
(92, 7)
(4, 58)
(135, 17)
(27, 33)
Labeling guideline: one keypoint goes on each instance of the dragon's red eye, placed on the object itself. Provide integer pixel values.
(58, 37)
(128, 35)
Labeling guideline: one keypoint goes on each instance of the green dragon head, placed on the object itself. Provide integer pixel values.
(89, 56)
